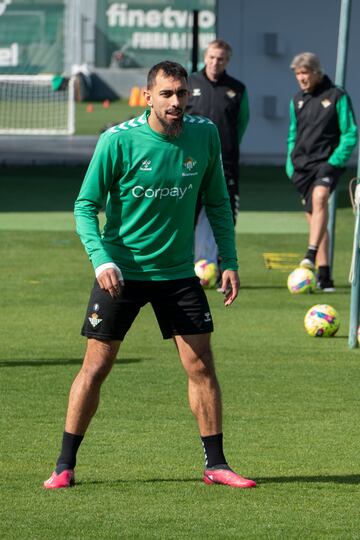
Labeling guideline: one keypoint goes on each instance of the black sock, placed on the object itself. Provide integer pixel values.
(324, 273)
(311, 253)
(69, 448)
(213, 450)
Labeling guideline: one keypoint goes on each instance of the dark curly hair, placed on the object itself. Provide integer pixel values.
(169, 69)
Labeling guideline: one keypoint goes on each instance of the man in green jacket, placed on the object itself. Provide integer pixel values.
(322, 136)
(149, 171)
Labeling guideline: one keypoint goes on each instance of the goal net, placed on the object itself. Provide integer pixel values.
(36, 105)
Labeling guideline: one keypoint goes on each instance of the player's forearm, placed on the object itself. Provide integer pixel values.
(87, 227)
(243, 117)
(349, 133)
(220, 218)
(291, 140)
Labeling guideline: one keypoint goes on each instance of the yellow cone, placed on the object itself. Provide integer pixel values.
(142, 101)
(134, 99)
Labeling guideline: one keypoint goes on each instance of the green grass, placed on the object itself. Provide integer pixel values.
(291, 402)
(91, 123)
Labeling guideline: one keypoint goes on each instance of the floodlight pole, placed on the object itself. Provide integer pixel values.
(343, 39)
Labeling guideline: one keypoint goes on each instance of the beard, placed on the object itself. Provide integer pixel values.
(173, 128)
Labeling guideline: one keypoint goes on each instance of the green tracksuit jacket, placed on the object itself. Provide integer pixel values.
(150, 183)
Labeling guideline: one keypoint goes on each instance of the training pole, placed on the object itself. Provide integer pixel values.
(340, 75)
(355, 264)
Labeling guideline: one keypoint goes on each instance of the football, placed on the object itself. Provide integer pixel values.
(301, 280)
(207, 273)
(322, 320)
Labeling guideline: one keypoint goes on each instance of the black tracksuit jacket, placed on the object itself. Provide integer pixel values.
(225, 103)
(322, 129)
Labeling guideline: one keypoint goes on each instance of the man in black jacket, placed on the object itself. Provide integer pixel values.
(223, 99)
(322, 136)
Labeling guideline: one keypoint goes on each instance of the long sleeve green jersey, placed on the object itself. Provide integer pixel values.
(149, 183)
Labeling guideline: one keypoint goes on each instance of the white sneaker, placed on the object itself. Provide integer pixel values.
(326, 286)
(307, 263)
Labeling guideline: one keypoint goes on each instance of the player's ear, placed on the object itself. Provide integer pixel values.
(148, 98)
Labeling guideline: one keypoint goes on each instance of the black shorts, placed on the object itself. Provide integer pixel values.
(180, 306)
(324, 175)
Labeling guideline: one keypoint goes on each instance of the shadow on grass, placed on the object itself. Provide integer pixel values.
(320, 479)
(120, 482)
(69, 362)
(339, 290)
(353, 479)
(260, 287)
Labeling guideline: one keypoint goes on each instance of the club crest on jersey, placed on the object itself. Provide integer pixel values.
(145, 165)
(94, 320)
(326, 103)
(189, 164)
(230, 93)
(196, 92)
(300, 104)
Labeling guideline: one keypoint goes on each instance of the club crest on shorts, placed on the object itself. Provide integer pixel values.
(207, 316)
(94, 320)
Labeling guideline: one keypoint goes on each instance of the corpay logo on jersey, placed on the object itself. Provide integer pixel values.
(160, 193)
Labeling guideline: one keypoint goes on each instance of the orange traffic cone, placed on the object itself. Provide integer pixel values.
(142, 100)
(89, 107)
(134, 97)
(106, 103)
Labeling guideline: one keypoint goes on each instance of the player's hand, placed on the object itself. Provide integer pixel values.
(109, 281)
(230, 284)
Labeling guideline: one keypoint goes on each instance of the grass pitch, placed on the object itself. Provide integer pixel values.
(92, 118)
(291, 402)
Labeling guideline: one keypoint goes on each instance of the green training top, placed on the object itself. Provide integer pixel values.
(151, 183)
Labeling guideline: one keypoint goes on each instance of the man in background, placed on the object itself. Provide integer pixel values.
(322, 136)
(223, 99)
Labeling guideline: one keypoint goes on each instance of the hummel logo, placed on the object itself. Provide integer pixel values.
(196, 92)
(145, 165)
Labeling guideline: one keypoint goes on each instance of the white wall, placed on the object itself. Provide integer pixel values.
(309, 25)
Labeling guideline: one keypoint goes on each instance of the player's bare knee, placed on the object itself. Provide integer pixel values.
(99, 359)
(201, 367)
(320, 199)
